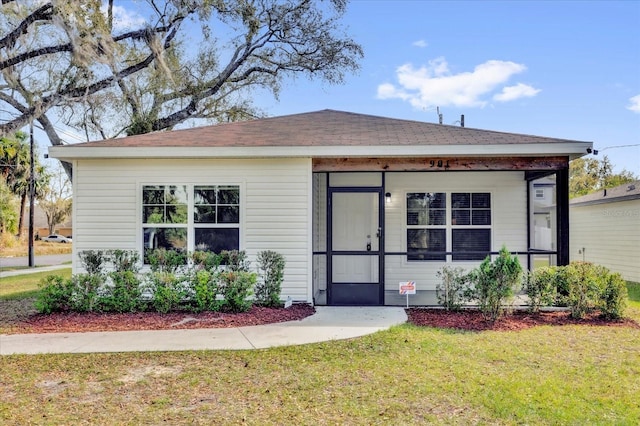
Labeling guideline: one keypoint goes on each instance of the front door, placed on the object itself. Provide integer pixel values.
(355, 247)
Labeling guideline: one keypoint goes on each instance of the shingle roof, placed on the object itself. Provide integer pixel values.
(323, 128)
(628, 191)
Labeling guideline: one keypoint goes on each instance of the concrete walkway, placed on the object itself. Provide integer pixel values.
(33, 270)
(328, 323)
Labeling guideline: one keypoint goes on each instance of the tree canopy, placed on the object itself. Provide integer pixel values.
(587, 175)
(169, 63)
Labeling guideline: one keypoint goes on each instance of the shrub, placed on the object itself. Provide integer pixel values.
(271, 266)
(236, 288)
(55, 295)
(495, 283)
(613, 296)
(169, 261)
(206, 260)
(584, 287)
(125, 260)
(453, 289)
(235, 260)
(541, 287)
(85, 291)
(93, 261)
(167, 291)
(124, 295)
(205, 291)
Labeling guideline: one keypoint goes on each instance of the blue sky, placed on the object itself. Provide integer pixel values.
(561, 69)
(565, 69)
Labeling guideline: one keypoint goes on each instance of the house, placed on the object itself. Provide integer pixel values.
(605, 229)
(355, 203)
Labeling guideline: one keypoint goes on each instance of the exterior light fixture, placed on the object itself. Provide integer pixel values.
(387, 197)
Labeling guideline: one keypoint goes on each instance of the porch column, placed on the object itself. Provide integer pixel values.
(562, 215)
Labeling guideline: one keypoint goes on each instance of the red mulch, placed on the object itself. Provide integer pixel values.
(82, 322)
(472, 320)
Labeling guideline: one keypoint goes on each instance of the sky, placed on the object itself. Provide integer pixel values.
(563, 69)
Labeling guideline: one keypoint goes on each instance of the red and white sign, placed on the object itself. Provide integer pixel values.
(408, 287)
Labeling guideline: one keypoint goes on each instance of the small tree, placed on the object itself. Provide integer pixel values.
(271, 267)
(496, 282)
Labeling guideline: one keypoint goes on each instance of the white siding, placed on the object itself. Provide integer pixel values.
(275, 206)
(607, 234)
(508, 210)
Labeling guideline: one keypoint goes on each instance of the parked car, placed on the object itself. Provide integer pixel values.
(54, 238)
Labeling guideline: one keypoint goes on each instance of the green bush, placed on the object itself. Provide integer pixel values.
(55, 295)
(584, 287)
(167, 291)
(613, 296)
(235, 260)
(93, 261)
(124, 295)
(495, 283)
(236, 288)
(205, 291)
(271, 268)
(169, 261)
(206, 260)
(541, 287)
(453, 289)
(125, 260)
(85, 292)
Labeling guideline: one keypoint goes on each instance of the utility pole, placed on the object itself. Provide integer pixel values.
(32, 191)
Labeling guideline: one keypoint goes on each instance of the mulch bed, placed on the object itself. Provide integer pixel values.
(472, 320)
(82, 322)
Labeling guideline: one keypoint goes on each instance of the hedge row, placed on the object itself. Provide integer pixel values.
(196, 282)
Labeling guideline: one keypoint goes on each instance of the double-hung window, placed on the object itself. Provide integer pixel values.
(439, 223)
(191, 217)
(426, 226)
(216, 217)
(164, 217)
(470, 225)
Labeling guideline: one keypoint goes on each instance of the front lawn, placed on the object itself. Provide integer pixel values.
(407, 375)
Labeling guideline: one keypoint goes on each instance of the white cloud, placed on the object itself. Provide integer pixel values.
(435, 85)
(511, 93)
(635, 104)
(124, 19)
(420, 43)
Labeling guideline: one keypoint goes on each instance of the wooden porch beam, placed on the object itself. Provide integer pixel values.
(439, 164)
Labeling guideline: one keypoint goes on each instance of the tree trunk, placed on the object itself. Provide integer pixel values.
(23, 202)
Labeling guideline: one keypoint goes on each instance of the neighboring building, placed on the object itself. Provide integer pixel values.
(355, 203)
(605, 229)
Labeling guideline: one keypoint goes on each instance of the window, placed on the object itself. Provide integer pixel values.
(468, 230)
(471, 225)
(167, 221)
(216, 216)
(426, 226)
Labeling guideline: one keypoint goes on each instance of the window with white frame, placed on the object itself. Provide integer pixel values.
(174, 214)
(426, 226)
(439, 222)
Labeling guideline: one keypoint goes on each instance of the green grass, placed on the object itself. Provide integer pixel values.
(26, 285)
(571, 375)
(407, 375)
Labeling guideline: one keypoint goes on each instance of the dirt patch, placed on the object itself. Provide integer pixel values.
(472, 320)
(83, 322)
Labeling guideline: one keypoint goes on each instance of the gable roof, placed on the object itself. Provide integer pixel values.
(326, 129)
(625, 192)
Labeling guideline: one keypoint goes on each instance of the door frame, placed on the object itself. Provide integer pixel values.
(380, 252)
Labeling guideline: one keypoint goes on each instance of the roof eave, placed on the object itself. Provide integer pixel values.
(571, 149)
